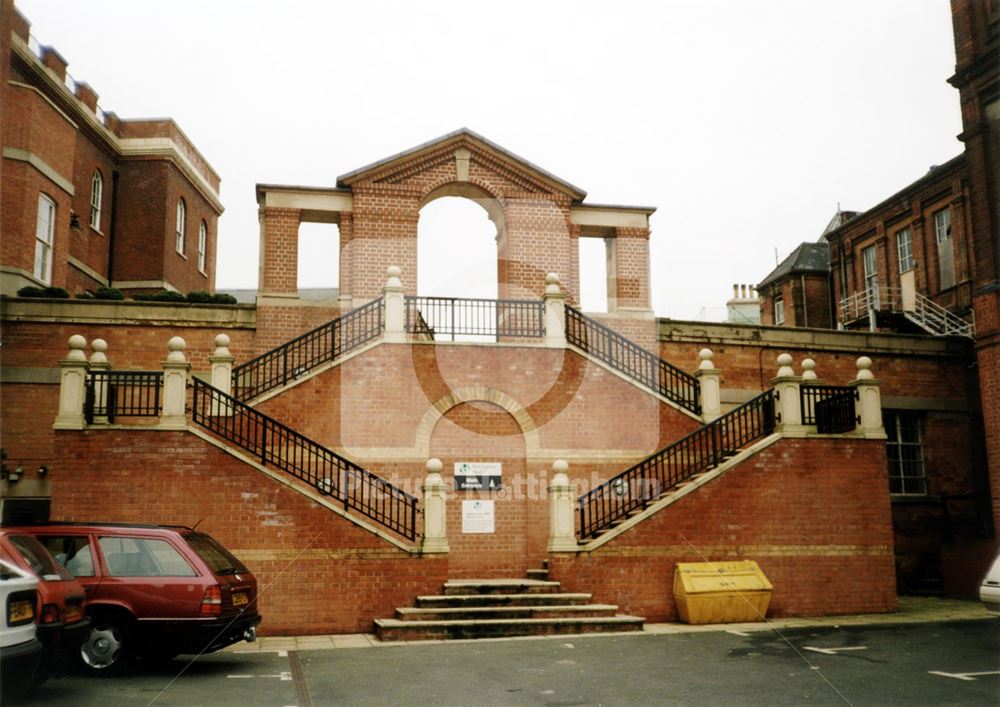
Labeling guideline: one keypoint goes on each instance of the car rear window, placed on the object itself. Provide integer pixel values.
(39, 559)
(218, 558)
(143, 557)
(72, 551)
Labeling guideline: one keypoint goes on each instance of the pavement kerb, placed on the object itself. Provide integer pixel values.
(911, 610)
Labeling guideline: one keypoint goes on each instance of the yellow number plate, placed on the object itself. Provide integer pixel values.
(20, 611)
(240, 598)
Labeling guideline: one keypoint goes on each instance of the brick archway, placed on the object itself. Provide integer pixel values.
(471, 394)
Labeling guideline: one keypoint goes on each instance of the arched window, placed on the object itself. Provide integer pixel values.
(44, 231)
(96, 194)
(181, 209)
(202, 245)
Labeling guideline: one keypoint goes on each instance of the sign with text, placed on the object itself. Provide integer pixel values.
(477, 475)
(478, 517)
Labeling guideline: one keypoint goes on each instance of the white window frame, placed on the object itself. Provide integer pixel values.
(202, 246)
(907, 469)
(96, 195)
(179, 234)
(869, 260)
(904, 247)
(45, 225)
(942, 225)
(779, 310)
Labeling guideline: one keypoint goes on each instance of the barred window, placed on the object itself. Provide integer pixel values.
(905, 451)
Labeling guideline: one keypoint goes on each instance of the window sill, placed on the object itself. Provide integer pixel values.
(97, 231)
(181, 254)
(914, 499)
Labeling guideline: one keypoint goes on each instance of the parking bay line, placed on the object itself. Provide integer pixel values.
(834, 651)
(970, 677)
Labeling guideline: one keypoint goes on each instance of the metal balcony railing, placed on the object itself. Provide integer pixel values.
(921, 310)
(830, 407)
(447, 318)
(114, 394)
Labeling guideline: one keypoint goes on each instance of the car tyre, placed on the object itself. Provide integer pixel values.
(108, 647)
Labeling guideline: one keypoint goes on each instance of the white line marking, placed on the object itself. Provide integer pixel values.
(738, 633)
(834, 651)
(963, 676)
(239, 676)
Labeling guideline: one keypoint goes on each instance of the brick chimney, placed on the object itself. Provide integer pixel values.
(86, 94)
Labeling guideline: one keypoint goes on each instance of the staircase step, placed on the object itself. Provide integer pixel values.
(396, 630)
(538, 573)
(557, 611)
(500, 586)
(431, 601)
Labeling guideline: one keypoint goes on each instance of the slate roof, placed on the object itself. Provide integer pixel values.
(807, 258)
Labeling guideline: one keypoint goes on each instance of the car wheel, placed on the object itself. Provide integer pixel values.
(107, 648)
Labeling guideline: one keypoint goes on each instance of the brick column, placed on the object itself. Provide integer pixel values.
(631, 269)
(72, 386)
(279, 251)
(562, 531)
(435, 530)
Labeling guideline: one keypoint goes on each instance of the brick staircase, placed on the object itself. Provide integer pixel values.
(493, 608)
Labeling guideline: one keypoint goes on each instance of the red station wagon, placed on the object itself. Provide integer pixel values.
(153, 591)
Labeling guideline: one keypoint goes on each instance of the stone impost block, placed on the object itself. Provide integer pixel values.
(72, 386)
(435, 529)
(869, 401)
(562, 531)
(395, 306)
(222, 372)
(99, 363)
(788, 406)
(175, 377)
(710, 383)
(555, 313)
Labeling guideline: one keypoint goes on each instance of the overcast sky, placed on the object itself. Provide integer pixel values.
(744, 122)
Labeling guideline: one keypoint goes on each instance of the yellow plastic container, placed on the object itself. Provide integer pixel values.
(721, 592)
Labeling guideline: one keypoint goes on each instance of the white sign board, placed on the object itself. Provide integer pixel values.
(478, 517)
(478, 475)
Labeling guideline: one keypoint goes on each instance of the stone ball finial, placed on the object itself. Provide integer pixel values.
(864, 365)
(552, 284)
(176, 346)
(222, 341)
(560, 466)
(434, 466)
(785, 365)
(100, 348)
(394, 271)
(808, 369)
(706, 360)
(76, 346)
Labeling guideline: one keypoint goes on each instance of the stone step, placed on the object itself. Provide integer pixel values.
(538, 573)
(500, 586)
(397, 630)
(429, 601)
(505, 612)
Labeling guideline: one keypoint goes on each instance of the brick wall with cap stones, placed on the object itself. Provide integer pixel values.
(814, 514)
(316, 572)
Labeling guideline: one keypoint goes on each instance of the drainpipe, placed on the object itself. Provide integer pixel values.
(112, 227)
(805, 302)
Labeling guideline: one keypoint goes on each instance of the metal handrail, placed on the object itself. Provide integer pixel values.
(281, 447)
(704, 448)
(632, 360)
(830, 407)
(923, 311)
(114, 394)
(440, 318)
(300, 355)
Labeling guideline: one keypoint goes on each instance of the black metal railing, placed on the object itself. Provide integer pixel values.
(281, 447)
(114, 394)
(706, 447)
(829, 407)
(446, 318)
(298, 356)
(632, 360)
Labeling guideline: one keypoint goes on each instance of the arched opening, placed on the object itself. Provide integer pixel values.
(319, 260)
(459, 237)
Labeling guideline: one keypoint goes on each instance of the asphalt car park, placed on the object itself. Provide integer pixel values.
(915, 664)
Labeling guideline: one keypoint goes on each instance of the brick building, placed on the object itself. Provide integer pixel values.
(358, 454)
(89, 199)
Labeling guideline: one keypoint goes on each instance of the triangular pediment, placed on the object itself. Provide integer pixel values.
(428, 155)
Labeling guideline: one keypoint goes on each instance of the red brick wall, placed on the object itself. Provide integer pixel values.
(813, 513)
(144, 215)
(316, 572)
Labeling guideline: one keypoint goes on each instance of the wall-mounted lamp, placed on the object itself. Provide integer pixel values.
(15, 476)
(43, 470)
(74, 221)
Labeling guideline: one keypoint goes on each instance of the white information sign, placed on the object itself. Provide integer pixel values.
(478, 475)
(478, 517)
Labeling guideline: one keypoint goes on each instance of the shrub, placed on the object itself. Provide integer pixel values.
(223, 298)
(199, 297)
(161, 296)
(31, 291)
(108, 293)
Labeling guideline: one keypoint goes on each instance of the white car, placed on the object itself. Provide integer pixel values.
(989, 591)
(20, 650)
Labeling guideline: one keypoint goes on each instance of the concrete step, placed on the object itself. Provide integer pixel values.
(505, 612)
(538, 573)
(429, 601)
(397, 630)
(500, 586)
